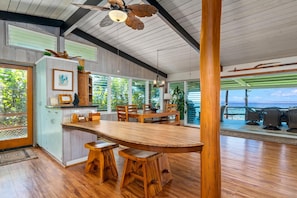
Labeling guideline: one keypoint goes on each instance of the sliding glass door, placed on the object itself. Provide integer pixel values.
(15, 106)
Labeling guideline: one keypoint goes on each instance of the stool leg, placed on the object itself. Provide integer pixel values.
(102, 167)
(127, 178)
(145, 181)
(92, 162)
(110, 167)
(153, 179)
(164, 168)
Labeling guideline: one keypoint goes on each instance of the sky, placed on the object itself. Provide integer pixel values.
(276, 95)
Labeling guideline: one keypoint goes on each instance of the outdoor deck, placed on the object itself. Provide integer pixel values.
(239, 128)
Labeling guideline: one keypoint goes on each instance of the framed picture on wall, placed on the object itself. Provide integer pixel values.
(65, 98)
(62, 80)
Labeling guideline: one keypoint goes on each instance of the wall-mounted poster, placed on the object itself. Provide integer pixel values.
(62, 80)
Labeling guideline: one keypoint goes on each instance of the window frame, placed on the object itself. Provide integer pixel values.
(7, 39)
(81, 44)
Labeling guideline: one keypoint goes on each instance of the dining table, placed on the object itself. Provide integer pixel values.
(142, 115)
(144, 136)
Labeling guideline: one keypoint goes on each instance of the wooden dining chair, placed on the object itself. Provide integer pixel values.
(170, 107)
(122, 113)
(132, 108)
(147, 108)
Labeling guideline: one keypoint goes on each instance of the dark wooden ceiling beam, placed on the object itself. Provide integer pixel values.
(71, 21)
(69, 26)
(24, 18)
(114, 50)
(170, 21)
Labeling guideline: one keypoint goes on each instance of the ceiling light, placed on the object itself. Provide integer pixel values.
(157, 82)
(118, 15)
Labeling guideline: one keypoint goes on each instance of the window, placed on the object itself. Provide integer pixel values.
(78, 49)
(138, 92)
(193, 102)
(100, 91)
(21, 37)
(119, 92)
(154, 95)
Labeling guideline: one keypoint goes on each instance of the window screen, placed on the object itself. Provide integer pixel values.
(21, 37)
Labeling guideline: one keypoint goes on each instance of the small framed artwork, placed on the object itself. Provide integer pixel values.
(65, 98)
(62, 80)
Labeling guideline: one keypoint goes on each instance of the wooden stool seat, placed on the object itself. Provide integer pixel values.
(143, 166)
(101, 158)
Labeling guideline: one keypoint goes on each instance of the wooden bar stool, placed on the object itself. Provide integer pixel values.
(101, 158)
(143, 166)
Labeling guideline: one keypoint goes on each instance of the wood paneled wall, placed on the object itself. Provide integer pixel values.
(107, 63)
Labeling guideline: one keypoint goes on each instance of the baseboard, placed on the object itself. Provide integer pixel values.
(76, 161)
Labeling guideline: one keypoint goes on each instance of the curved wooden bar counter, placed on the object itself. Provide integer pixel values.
(144, 136)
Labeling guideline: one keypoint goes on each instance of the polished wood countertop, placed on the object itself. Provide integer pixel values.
(144, 136)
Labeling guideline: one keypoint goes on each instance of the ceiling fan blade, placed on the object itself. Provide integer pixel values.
(106, 21)
(142, 10)
(134, 22)
(91, 7)
(120, 3)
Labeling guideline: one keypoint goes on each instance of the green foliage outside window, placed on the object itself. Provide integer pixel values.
(100, 91)
(154, 96)
(177, 93)
(138, 93)
(13, 94)
(119, 92)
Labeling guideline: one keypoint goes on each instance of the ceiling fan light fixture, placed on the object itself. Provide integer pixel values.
(118, 15)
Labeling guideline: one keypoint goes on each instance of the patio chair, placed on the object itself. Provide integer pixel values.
(222, 111)
(271, 118)
(292, 120)
(252, 116)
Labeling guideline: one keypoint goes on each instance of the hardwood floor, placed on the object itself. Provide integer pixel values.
(250, 168)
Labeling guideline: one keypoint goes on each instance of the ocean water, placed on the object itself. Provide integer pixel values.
(264, 105)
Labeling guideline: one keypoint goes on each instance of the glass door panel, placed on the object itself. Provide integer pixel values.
(193, 102)
(15, 106)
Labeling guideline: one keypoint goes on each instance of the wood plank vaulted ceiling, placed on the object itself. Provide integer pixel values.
(251, 30)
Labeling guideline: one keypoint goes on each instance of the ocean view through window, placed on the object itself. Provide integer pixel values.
(258, 99)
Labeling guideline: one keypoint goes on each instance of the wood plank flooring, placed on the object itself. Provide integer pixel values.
(250, 168)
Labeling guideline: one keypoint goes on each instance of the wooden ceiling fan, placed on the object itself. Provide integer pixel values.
(120, 12)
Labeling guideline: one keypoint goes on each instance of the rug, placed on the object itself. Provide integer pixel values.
(19, 155)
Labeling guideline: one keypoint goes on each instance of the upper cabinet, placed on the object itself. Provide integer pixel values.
(85, 88)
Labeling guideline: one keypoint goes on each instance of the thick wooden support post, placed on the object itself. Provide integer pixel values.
(143, 166)
(210, 98)
(101, 158)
